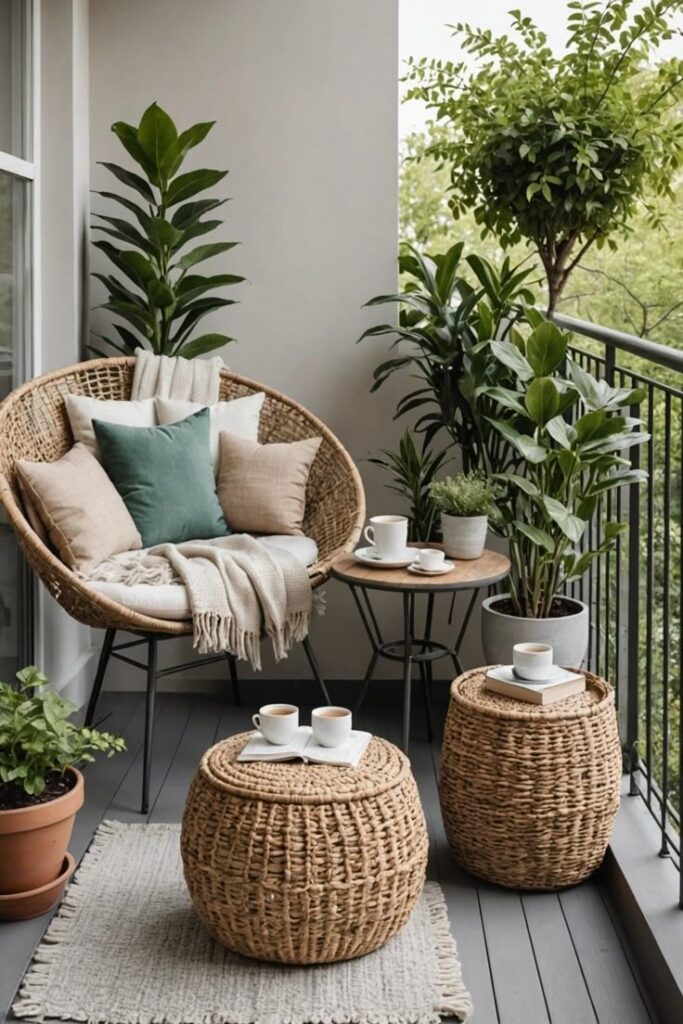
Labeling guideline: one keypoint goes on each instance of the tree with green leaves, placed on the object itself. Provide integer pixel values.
(162, 299)
(559, 149)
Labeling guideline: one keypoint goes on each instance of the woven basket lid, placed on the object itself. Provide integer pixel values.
(469, 690)
(381, 767)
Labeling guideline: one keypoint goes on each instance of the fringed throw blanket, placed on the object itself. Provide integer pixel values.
(238, 587)
(188, 380)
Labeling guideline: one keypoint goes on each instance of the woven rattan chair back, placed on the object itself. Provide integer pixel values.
(34, 425)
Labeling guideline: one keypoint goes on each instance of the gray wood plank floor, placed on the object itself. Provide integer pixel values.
(527, 958)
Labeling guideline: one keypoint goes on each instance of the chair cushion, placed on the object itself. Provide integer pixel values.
(240, 416)
(81, 411)
(262, 487)
(165, 478)
(84, 515)
(170, 600)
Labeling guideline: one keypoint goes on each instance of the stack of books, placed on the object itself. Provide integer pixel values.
(561, 683)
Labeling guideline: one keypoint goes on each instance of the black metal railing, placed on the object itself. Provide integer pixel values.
(634, 593)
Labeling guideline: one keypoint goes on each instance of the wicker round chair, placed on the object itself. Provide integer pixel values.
(34, 425)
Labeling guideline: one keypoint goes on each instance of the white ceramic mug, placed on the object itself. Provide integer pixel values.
(388, 534)
(277, 722)
(532, 661)
(430, 558)
(331, 726)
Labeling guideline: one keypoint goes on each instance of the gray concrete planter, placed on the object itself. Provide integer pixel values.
(464, 536)
(568, 634)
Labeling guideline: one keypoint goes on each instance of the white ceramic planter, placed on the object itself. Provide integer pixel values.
(464, 536)
(568, 634)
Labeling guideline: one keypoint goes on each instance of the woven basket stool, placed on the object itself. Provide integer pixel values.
(529, 793)
(303, 863)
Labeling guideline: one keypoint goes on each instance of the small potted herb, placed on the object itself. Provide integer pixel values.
(464, 502)
(41, 789)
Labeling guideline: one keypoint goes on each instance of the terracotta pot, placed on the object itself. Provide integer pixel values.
(21, 906)
(33, 841)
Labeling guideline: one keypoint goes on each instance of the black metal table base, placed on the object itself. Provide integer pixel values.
(411, 650)
(111, 650)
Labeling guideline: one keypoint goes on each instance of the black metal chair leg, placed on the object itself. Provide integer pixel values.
(149, 720)
(232, 667)
(312, 661)
(109, 637)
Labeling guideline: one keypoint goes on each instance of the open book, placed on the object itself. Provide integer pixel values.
(305, 748)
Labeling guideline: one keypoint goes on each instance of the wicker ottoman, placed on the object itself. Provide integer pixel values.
(303, 863)
(529, 793)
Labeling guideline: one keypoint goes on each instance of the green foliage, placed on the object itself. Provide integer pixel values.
(558, 149)
(412, 473)
(572, 436)
(466, 494)
(159, 296)
(37, 740)
(446, 328)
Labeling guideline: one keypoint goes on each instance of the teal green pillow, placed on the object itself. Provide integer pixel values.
(165, 477)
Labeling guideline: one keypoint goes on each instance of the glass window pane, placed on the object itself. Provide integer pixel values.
(15, 291)
(14, 74)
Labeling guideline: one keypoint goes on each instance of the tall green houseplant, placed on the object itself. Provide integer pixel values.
(163, 298)
(559, 149)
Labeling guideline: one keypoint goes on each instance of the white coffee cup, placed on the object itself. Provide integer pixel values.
(430, 558)
(331, 725)
(277, 722)
(388, 534)
(532, 661)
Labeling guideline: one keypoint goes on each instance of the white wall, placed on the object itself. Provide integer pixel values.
(64, 647)
(305, 96)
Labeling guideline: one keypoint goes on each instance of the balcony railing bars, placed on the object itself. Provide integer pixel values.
(634, 593)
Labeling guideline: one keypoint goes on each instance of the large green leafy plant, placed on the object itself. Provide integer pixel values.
(561, 150)
(157, 292)
(38, 741)
(571, 432)
(446, 324)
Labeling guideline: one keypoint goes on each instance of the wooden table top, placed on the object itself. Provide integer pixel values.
(467, 574)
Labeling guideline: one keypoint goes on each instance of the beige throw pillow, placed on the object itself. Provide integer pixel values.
(83, 512)
(262, 487)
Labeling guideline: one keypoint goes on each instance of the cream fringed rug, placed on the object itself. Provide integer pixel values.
(126, 948)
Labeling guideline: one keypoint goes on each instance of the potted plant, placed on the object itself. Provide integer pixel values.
(41, 789)
(160, 294)
(571, 431)
(464, 502)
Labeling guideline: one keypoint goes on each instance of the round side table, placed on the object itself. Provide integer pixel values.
(412, 648)
(303, 863)
(529, 792)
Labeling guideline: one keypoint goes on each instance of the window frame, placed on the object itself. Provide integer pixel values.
(26, 120)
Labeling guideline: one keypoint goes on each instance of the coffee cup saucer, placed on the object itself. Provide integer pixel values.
(445, 567)
(371, 556)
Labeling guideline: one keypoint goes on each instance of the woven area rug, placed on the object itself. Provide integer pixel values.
(126, 948)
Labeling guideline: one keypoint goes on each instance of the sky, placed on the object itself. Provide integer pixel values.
(422, 32)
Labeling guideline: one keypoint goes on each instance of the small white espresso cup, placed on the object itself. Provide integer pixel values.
(277, 722)
(532, 661)
(331, 726)
(430, 558)
(389, 534)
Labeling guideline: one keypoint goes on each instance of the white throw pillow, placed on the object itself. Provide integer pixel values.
(82, 410)
(239, 416)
